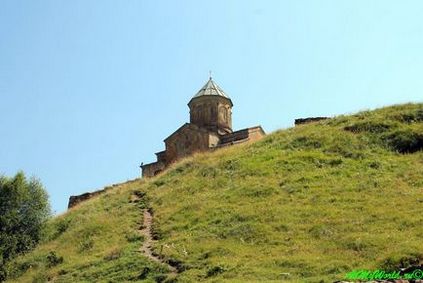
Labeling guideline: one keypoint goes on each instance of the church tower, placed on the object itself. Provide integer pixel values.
(210, 128)
(211, 108)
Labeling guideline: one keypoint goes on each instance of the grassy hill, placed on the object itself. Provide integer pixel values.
(306, 204)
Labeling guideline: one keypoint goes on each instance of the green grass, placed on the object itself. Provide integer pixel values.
(306, 204)
(95, 242)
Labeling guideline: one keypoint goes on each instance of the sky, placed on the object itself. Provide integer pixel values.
(90, 89)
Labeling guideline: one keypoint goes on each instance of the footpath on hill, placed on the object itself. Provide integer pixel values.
(146, 232)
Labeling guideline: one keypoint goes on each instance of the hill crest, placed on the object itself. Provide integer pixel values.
(309, 203)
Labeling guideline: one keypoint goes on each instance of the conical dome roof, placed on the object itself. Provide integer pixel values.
(211, 88)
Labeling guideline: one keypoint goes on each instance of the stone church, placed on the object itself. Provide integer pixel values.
(210, 127)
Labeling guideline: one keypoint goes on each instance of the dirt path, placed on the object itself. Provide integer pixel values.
(148, 241)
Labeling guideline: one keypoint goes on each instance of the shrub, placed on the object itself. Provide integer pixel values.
(54, 231)
(411, 117)
(368, 126)
(374, 164)
(160, 278)
(215, 270)
(394, 262)
(53, 259)
(62, 226)
(405, 141)
(62, 272)
(18, 268)
(419, 115)
(144, 273)
(140, 194)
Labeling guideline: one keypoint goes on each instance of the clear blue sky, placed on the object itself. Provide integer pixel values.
(89, 89)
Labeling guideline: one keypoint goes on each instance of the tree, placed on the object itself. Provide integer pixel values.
(24, 210)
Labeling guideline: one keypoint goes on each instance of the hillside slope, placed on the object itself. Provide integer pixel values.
(306, 204)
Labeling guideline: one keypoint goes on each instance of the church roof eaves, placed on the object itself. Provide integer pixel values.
(210, 89)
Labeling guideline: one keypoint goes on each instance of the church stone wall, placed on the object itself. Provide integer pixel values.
(185, 142)
(255, 133)
(153, 169)
(214, 140)
(248, 134)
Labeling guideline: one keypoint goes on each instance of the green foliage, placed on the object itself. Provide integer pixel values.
(215, 270)
(405, 141)
(413, 116)
(24, 209)
(53, 259)
(393, 263)
(368, 126)
(62, 226)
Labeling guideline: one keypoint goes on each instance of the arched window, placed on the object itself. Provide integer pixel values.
(222, 113)
(208, 112)
(213, 111)
(228, 114)
(197, 113)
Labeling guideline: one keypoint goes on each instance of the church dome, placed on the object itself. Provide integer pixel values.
(211, 88)
(211, 108)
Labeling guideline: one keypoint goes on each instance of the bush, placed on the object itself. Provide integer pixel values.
(160, 278)
(62, 226)
(53, 259)
(18, 268)
(405, 141)
(395, 263)
(411, 117)
(144, 273)
(54, 231)
(215, 271)
(24, 210)
(371, 127)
